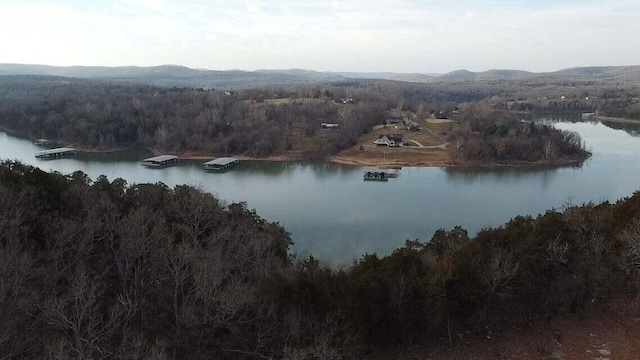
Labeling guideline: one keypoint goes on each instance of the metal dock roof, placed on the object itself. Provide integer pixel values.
(222, 161)
(55, 151)
(161, 158)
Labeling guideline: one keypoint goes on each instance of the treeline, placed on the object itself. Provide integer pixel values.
(608, 98)
(99, 269)
(107, 115)
(530, 268)
(104, 270)
(255, 122)
(620, 103)
(545, 95)
(484, 134)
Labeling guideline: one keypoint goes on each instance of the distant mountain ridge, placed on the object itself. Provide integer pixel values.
(181, 76)
(163, 75)
(466, 75)
(629, 73)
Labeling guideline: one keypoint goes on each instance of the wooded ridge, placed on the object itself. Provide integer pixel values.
(288, 120)
(181, 76)
(100, 269)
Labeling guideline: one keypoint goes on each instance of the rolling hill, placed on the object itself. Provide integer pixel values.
(166, 75)
(622, 73)
(181, 76)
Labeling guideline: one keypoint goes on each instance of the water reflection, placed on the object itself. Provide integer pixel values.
(629, 128)
(570, 117)
(114, 157)
(474, 174)
(265, 168)
(328, 169)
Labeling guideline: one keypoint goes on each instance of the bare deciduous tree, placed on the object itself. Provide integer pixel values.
(630, 257)
(557, 250)
(196, 211)
(80, 314)
(499, 271)
(588, 226)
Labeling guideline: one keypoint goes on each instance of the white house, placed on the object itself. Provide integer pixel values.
(390, 140)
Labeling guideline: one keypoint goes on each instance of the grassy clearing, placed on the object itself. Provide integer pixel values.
(297, 143)
(286, 101)
(432, 135)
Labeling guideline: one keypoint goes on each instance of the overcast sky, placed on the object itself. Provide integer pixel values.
(348, 35)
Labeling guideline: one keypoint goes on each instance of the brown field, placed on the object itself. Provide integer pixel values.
(432, 137)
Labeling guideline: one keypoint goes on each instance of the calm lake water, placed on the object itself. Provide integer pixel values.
(332, 214)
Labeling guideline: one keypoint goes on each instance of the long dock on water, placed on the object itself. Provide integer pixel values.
(55, 153)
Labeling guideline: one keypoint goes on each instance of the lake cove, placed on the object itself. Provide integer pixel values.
(334, 215)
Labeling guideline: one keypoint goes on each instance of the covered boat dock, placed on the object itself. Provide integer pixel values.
(55, 153)
(160, 161)
(221, 164)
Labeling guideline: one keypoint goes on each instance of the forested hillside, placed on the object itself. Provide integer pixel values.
(171, 75)
(286, 121)
(182, 76)
(105, 116)
(100, 269)
(486, 135)
(608, 98)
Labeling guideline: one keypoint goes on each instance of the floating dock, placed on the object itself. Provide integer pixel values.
(588, 116)
(55, 153)
(160, 161)
(376, 176)
(221, 164)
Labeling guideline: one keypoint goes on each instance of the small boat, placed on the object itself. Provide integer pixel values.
(221, 164)
(42, 142)
(55, 153)
(161, 161)
(588, 116)
(376, 176)
(391, 174)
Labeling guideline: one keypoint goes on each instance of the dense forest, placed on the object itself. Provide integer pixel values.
(259, 122)
(486, 135)
(100, 269)
(104, 115)
(608, 98)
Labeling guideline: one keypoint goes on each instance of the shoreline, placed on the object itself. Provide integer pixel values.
(617, 119)
(352, 161)
(347, 160)
(336, 159)
(446, 164)
(373, 162)
(540, 164)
